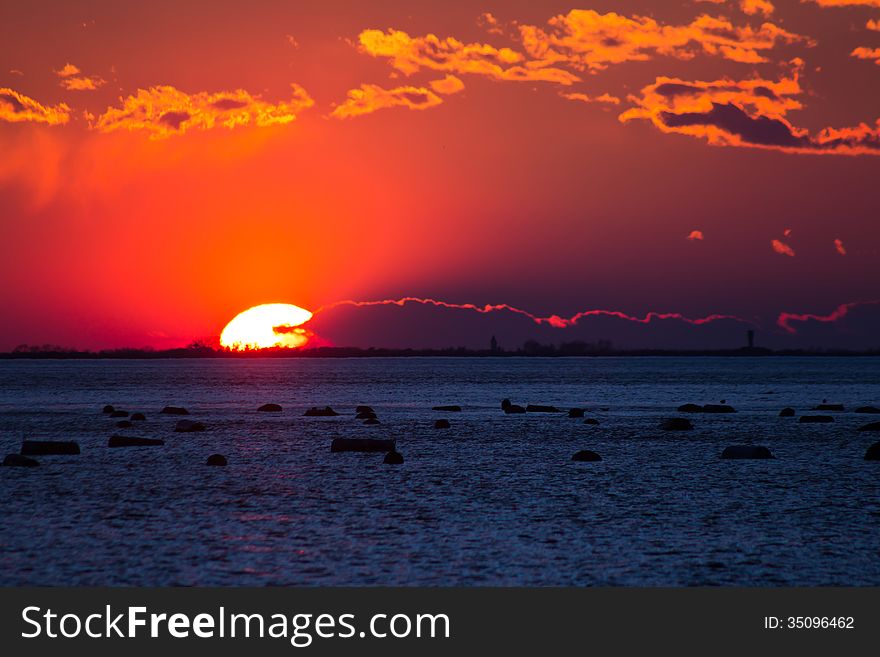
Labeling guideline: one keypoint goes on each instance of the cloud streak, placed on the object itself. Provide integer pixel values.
(605, 98)
(785, 319)
(555, 321)
(782, 248)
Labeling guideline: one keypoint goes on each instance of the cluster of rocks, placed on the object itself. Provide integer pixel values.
(31, 448)
(388, 447)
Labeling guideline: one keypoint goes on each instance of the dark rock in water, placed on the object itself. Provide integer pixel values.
(585, 455)
(718, 408)
(19, 461)
(867, 409)
(364, 409)
(441, 424)
(372, 421)
(746, 452)
(125, 441)
(188, 426)
(575, 412)
(49, 447)
(829, 407)
(690, 408)
(393, 458)
(138, 417)
(119, 414)
(448, 409)
(815, 419)
(123, 424)
(514, 409)
(786, 412)
(269, 408)
(108, 409)
(504, 404)
(174, 410)
(216, 459)
(873, 453)
(591, 420)
(365, 416)
(540, 408)
(873, 426)
(325, 411)
(676, 424)
(361, 445)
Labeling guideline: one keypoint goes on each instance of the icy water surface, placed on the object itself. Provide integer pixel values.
(495, 500)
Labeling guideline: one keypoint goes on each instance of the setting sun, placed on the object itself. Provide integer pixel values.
(267, 326)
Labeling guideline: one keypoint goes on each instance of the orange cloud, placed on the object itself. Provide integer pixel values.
(782, 248)
(447, 86)
(752, 7)
(489, 23)
(72, 79)
(369, 98)
(838, 245)
(695, 235)
(410, 54)
(873, 25)
(16, 107)
(746, 113)
(584, 98)
(165, 111)
(867, 53)
(588, 40)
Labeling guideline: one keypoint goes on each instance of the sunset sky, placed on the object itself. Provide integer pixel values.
(166, 165)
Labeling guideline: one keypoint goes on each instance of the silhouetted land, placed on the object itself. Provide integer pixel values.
(530, 348)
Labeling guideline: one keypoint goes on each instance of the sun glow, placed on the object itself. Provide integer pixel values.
(271, 325)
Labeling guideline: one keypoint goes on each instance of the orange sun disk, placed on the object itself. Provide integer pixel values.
(268, 326)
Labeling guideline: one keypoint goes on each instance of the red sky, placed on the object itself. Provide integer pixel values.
(165, 165)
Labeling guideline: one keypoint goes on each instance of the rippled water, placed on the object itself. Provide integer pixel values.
(495, 500)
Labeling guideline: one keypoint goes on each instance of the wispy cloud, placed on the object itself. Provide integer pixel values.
(16, 107)
(584, 98)
(695, 236)
(752, 7)
(589, 40)
(73, 79)
(838, 245)
(448, 85)
(369, 98)
(410, 54)
(862, 52)
(165, 111)
(747, 113)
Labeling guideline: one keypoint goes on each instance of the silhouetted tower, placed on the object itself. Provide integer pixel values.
(751, 336)
(493, 345)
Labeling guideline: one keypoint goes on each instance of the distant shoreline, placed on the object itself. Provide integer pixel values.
(353, 352)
